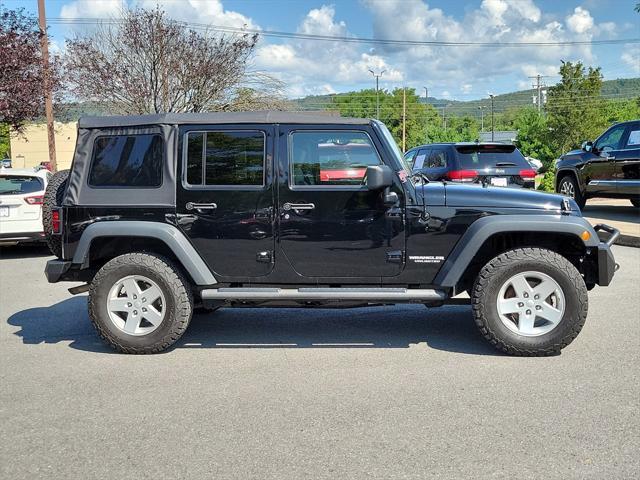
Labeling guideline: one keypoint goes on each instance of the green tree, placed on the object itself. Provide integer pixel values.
(362, 104)
(621, 110)
(574, 107)
(4, 141)
(533, 135)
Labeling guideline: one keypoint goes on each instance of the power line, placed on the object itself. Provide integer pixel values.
(344, 39)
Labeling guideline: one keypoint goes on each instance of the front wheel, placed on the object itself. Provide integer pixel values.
(569, 187)
(140, 303)
(530, 301)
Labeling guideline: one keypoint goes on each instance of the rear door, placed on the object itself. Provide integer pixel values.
(331, 226)
(627, 160)
(225, 197)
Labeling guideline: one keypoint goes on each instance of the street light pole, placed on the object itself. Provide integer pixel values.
(481, 108)
(492, 122)
(377, 75)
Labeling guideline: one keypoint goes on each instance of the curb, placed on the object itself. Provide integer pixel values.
(628, 241)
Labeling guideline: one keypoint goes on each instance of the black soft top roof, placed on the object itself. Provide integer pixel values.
(218, 118)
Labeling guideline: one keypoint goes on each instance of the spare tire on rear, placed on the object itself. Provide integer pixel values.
(53, 198)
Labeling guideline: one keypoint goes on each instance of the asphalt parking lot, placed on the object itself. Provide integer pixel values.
(395, 392)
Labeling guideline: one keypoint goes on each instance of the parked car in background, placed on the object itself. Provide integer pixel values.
(21, 197)
(608, 167)
(44, 166)
(5, 163)
(535, 163)
(496, 164)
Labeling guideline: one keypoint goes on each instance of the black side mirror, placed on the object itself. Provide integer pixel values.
(379, 177)
(587, 146)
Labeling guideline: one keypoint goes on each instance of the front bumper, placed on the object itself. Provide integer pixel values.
(607, 265)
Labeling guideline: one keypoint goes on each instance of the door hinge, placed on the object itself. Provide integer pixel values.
(395, 256)
(264, 257)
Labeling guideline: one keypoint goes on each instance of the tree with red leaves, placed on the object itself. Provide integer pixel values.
(21, 69)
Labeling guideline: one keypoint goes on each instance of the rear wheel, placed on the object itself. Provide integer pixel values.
(568, 186)
(140, 303)
(530, 301)
(53, 197)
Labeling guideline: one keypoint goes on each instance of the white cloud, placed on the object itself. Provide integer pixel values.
(319, 65)
(466, 88)
(580, 21)
(631, 57)
(210, 12)
(92, 9)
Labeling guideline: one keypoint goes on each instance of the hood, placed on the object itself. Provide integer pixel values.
(457, 195)
(573, 153)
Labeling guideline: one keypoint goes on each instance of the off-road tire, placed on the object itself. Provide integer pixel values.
(635, 202)
(580, 199)
(493, 275)
(53, 198)
(176, 290)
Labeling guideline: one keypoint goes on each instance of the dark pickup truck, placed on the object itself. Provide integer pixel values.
(163, 214)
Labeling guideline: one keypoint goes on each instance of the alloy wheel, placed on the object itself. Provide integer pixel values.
(136, 305)
(531, 304)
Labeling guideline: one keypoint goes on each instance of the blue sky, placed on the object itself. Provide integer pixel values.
(457, 73)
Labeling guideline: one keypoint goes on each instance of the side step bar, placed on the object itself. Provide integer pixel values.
(308, 294)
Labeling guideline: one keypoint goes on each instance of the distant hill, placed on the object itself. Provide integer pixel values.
(623, 88)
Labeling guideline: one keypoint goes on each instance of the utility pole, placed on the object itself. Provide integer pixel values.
(48, 105)
(538, 86)
(377, 75)
(492, 122)
(426, 95)
(481, 108)
(404, 119)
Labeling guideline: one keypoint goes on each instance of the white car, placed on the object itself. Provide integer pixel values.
(21, 196)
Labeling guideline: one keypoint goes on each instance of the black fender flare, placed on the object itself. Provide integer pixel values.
(460, 257)
(191, 261)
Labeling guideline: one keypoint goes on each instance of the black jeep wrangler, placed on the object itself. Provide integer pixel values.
(162, 214)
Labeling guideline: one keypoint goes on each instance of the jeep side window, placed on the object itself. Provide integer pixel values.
(611, 139)
(225, 158)
(332, 157)
(127, 161)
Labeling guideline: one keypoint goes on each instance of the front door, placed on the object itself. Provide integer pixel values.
(225, 197)
(330, 224)
(601, 167)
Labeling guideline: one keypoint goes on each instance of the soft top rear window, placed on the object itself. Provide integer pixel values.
(127, 161)
(18, 185)
(483, 156)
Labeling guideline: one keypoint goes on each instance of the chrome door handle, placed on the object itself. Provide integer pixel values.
(298, 206)
(200, 206)
(611, 157)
